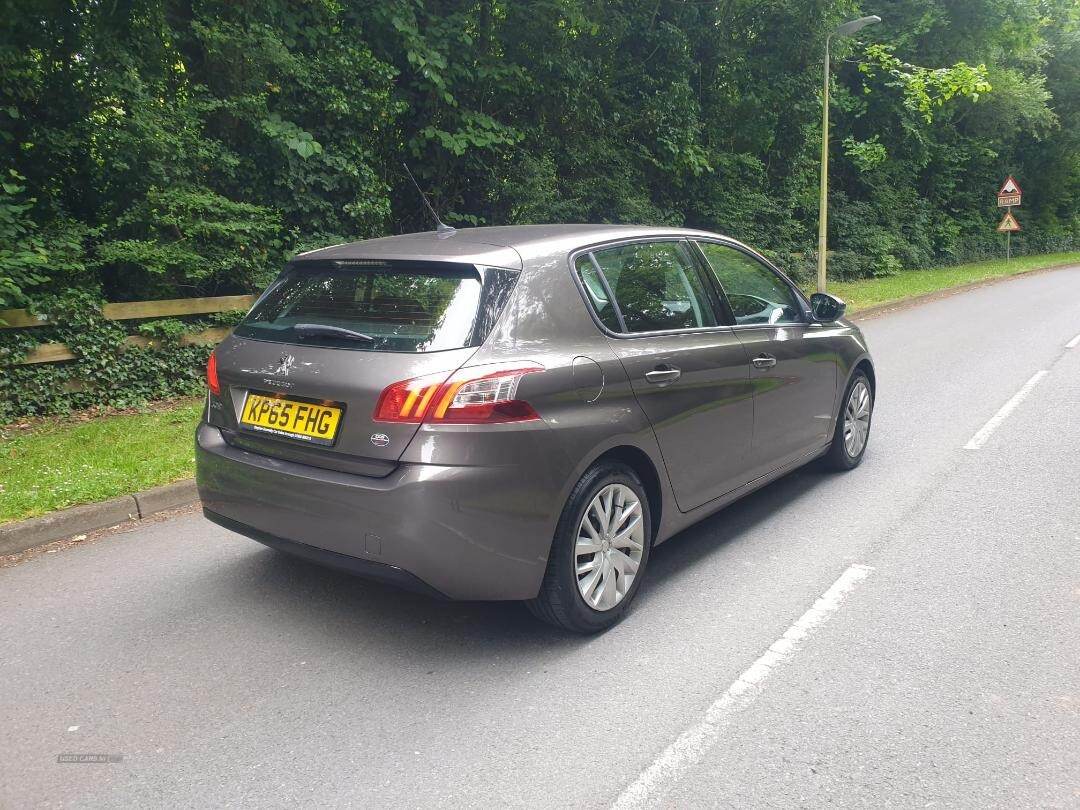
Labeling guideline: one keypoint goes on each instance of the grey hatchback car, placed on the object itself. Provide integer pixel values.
(522, 412)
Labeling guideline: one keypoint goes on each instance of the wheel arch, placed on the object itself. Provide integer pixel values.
(639, 461)
(861, 363)
(866, 367)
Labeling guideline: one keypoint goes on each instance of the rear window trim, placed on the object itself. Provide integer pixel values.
(433, 266)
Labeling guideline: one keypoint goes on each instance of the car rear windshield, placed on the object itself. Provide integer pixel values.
(398, 307)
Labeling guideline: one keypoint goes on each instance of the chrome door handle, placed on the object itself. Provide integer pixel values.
(663, 375)
(764, 361)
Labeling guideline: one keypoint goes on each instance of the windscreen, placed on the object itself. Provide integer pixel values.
(389, 308)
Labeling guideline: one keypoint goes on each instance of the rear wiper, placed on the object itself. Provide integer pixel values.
(305, 329)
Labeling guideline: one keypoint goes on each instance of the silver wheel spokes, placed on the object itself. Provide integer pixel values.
(857, 419)
(609, 546)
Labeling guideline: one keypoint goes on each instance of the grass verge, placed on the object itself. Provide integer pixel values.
(872, 292)
(59, 463)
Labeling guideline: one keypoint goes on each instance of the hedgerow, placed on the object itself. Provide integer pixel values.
(158, 149)
(106, 372)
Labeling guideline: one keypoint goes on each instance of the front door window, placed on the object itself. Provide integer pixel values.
(756, 294)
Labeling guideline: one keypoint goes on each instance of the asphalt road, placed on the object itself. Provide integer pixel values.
(949, 676)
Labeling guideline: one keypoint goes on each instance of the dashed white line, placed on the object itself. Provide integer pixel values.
(980, 438)
(692, 745)
(1072, 344)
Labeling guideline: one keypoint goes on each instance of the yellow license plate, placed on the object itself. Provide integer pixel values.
(289, 417)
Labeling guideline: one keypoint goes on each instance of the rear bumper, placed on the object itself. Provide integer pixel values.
(462, 532)
(331, 559)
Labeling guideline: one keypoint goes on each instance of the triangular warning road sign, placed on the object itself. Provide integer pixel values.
(1010, 186)
(1008, 224)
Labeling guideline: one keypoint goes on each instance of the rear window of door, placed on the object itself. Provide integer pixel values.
(656, 287)
(755, 293)
(391, 308)
(597, 293)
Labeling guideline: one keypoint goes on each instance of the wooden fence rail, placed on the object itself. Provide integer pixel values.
(132, 310)
(56, 352)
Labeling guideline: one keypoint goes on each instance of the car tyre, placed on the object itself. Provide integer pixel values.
(856, 413)
(561, 601)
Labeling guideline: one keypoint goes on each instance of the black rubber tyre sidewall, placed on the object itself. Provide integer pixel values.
(559, 601)
(837, 458)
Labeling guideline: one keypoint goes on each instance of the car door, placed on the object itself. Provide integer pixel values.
(689, 372)
(793, 367)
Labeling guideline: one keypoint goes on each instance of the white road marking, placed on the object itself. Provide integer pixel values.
(692, 745)
(980, 438)
(1072, 344)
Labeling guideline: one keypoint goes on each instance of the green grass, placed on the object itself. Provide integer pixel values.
(874, 291)
(62, 463)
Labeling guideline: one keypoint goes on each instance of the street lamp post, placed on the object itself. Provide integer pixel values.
(847, 29)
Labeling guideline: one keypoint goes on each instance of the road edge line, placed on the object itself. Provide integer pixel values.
(982, 436)
(693, 744)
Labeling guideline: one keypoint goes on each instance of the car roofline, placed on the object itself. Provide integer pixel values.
(501, 246)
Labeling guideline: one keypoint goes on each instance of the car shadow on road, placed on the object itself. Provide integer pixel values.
(717, 533)
(311, 599)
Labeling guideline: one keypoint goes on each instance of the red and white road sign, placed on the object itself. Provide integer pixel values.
(1008, 224)
(1009, 194)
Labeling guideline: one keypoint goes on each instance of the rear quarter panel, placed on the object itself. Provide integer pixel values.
(584, 396)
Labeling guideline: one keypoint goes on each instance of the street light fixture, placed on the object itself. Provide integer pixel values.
(845, 30)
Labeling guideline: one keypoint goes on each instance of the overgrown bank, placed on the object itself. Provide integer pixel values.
(874, 292)
(108, 369)
(159, 149)
(163, 149)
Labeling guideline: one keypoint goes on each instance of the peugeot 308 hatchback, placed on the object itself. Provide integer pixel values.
(522, 412)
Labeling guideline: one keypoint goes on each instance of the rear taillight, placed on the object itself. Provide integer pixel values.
(467, 398)
(408, 400)
(211, 375)
(470, 396)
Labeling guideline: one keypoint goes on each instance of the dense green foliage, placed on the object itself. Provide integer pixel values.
(162, 148)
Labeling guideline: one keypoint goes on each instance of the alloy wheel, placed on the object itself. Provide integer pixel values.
(857, 419)
(609, 547)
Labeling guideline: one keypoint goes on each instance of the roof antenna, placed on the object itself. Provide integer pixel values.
(441, 228)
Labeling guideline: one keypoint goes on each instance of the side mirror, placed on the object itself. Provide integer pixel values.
(826, 308)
